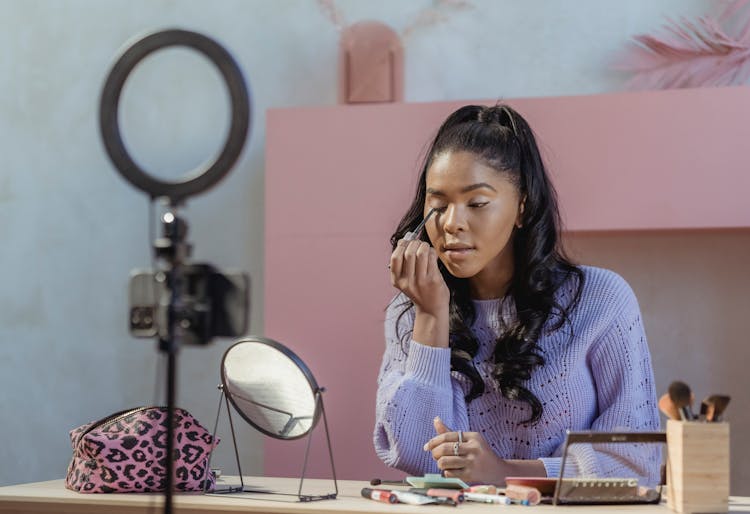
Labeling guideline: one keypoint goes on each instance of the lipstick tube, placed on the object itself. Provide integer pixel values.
(379, 495)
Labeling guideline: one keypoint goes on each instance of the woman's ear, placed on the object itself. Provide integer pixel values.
(521, 208)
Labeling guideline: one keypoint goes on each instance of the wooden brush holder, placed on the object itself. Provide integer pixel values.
(697, 466)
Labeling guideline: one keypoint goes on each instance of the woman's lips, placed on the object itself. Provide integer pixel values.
(457, 253)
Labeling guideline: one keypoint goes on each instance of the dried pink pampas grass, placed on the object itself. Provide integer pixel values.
(712, 51)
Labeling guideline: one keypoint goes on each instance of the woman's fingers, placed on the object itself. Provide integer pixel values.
(455, 449)
(466, 455)
(448, 437)
(451, 463)
(396, 261)
(410, 264)
(422, 264)
(432, 266)
(440, 427)
(415, 273)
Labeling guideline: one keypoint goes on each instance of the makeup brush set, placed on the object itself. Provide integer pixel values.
(698, 451)
(677, 404)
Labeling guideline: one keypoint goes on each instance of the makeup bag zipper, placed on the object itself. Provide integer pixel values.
(112, 418)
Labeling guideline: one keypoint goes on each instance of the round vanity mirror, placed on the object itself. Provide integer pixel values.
(270, 387)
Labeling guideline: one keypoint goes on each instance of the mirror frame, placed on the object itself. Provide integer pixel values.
(300, 365)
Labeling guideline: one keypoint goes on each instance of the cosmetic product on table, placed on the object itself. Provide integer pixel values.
(457, 495)
(483, 488)
(698, 466)
(379, 481)
(417, 499)
(379, 495)
(523, 493)
(698, 451)
(436, 481)
(487, 498)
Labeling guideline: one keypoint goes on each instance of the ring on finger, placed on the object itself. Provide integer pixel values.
(460, 436)
(455, 448)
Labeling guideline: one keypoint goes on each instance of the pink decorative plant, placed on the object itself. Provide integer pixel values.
(711, 51)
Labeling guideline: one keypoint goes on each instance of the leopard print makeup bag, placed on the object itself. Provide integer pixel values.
(126, 452)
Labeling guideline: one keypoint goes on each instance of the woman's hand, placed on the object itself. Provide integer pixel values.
(414, 271)
(472, 460)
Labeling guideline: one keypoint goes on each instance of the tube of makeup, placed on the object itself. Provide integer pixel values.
(379, 495)
(413, 498)
(487, 498)
(483, 488)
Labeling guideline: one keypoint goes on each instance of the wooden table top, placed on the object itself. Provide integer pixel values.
(52, 496)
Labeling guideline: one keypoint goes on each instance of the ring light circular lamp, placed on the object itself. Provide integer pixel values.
(204, 177)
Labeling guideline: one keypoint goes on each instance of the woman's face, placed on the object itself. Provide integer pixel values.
(477, 210)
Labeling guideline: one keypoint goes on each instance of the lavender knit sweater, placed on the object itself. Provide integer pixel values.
(601, 379)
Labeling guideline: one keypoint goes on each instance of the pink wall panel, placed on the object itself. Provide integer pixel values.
(339, 178)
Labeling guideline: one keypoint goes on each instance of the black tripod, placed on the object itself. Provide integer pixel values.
(174, 251)
(174, 327)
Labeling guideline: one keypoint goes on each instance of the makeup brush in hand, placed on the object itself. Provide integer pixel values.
(682, 398)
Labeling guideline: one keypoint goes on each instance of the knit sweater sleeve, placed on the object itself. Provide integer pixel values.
(620, 364)
(414, 386)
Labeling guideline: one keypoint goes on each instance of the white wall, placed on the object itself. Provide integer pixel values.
(71, 228)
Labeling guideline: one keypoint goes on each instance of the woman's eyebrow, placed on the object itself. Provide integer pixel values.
(472, 187)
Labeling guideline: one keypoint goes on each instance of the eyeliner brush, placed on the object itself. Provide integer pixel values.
(417, 232)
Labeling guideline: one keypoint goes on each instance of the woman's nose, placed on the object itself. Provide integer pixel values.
(453, 219)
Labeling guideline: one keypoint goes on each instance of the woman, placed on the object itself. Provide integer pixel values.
(497, 344)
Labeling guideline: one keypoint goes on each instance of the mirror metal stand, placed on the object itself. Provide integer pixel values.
(229, 489)
(224, 399)
(332, 496)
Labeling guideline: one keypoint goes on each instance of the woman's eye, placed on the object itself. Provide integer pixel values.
(441, 208)
(477, 205)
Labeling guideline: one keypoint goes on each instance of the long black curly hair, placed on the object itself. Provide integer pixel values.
(503, 140)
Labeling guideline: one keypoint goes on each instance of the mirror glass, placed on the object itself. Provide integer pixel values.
(270, 387)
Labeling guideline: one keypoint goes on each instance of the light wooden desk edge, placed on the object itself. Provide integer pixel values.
(52, 497)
